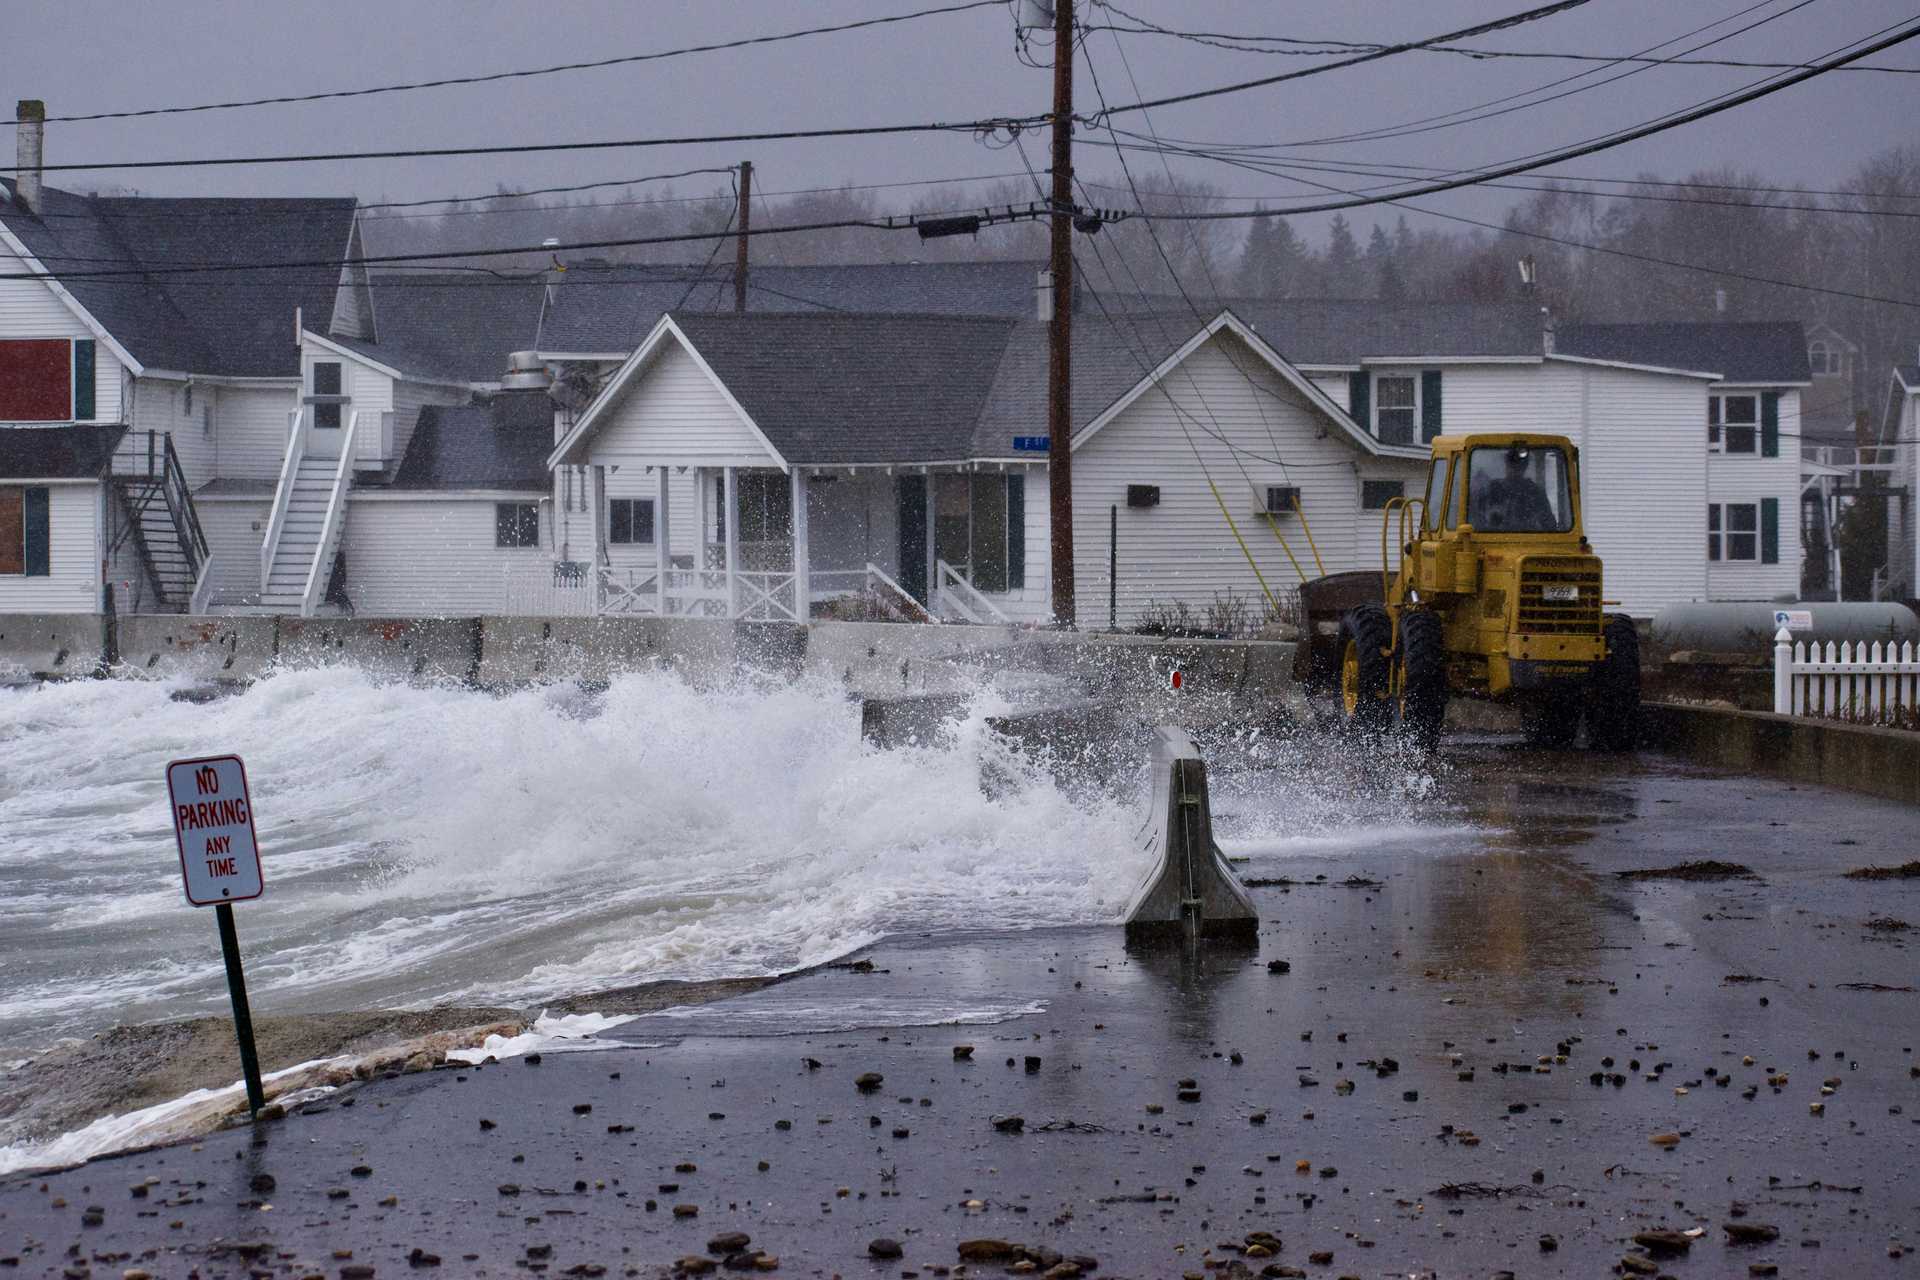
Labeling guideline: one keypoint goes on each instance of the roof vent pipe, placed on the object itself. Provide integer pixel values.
(526, 371)
(31, 116)
(1043, 297)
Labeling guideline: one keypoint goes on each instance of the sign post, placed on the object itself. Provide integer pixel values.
(220, 863)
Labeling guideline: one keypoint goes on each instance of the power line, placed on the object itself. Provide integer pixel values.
(890, 222)
(418, 153)
(1281, 169)
(1329, 47)
(624, 60)
(1604, 142)
(1384, 51)
(1747, 277)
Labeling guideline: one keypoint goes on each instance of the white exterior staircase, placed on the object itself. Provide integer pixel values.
(309, 515)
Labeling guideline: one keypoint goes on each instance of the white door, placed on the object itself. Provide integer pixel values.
(327, 402)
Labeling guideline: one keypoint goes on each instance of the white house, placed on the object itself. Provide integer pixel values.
(58, 516)
(1900, 436)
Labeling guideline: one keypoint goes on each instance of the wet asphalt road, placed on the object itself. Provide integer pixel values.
(1416, 1096)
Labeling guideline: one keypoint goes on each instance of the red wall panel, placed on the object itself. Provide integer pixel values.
(36, 380)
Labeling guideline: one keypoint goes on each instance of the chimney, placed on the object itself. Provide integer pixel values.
(1043, 297)
(1546, 330)
(31, 115)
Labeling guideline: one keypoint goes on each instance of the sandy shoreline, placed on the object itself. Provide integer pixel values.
(1416, 1095)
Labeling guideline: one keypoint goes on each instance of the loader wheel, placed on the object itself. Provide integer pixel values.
(1423, 677)
(1552, 719)
(1366, 672)
(1613, 697)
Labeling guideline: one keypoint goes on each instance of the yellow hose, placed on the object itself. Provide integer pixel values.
(1265, 590)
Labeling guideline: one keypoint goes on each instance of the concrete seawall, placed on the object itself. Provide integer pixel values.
(1878, 762)
(867, 658)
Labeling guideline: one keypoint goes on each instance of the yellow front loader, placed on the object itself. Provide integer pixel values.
(1496, 594)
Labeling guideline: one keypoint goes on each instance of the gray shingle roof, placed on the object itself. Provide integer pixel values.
(236, 323)
(1108, 359)
(827, 388)
(1322, 331)
(1764, 351)
(57, 453)
(502, 444)
(613, 308)
(451, 328)
(1909, 374)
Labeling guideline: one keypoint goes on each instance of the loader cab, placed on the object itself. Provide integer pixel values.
(1502, 485)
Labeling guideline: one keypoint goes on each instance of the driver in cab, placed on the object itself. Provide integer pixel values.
(1515, 502)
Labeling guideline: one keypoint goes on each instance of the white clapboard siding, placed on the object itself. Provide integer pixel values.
(1749, 478)
(234, 529)
(1183, 550)
(433, 557)
(72, 584)
(250, 430)
(30, 309)
(1643, 486)
(1509, 397)
(161, 404)
(674, 412)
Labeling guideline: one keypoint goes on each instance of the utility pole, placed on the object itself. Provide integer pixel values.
(1060, 330)
(740, 240)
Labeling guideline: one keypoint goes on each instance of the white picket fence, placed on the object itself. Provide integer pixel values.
(1860, 683)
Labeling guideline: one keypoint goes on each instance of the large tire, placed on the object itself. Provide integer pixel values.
(1423, 677)
(1613, 695)
(1552, 719)
(1366, 668)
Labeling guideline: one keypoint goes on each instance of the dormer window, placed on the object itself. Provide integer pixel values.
(1826, 360)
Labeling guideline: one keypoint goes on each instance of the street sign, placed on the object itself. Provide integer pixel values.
(213, 826)
(220, 859)
(1793, 619)
(1032, 444)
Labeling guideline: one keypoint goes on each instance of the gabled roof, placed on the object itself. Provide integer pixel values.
(233, 323)
(447, 328)
(612, 308)
(501, 444)
(826, 388)
(1909, 375)
(81, 452)
(1746, 352)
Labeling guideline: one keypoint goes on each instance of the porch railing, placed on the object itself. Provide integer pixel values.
(333, 525)
(953, 592)
(1858, 683)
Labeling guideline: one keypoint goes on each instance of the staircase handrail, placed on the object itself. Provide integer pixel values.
(186, 520)
(915, 610)
(333, 525)
(301, 422)
(966, 597)
(202, 588)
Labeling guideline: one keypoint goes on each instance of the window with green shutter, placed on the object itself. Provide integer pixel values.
(1429, 405)
(1770, 424)
(1360, 398)
(1769, 531)
(83, 357)
(39, 530)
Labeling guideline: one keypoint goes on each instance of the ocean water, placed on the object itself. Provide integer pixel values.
(430, 845)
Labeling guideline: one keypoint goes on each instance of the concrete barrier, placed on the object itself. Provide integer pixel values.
(1190, 894)
(52, 645)
(529, 650)
(1878, 762)
(170, 645)
(405, 648)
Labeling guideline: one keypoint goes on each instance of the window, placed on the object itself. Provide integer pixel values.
(1733, 531)
(979, 527)
(36, 380)
(1733, 424)
(1396, 407)
(326, 398)
(630, 520)
(24, 529)
(1376, 494)
(1826, 360)
(1436, 497)
(1518, 489)
(516, 524)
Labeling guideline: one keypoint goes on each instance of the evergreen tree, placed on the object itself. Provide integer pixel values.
(1274, 263)
(1343, 258)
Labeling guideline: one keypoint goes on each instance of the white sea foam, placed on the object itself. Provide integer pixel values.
(432, 844)
(562, 1033)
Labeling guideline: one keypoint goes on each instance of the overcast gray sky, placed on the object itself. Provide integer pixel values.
(101, 55)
